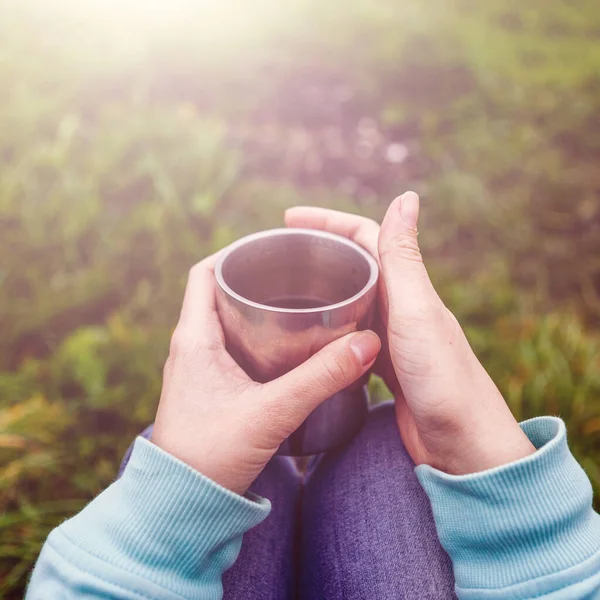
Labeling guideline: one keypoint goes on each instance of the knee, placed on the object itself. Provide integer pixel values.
(374, 464)
(380, 429)
(377, 448)
(380, 435)
(381, 421)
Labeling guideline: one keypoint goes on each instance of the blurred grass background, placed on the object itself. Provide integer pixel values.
(137, 137)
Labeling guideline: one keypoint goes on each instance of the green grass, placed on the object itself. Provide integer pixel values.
(128, 153)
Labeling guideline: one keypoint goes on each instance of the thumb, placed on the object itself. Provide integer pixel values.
(336, 366)
(409, 288)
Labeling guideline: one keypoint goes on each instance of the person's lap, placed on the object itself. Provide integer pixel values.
(265, 568)
(367, 527)
(367, 530)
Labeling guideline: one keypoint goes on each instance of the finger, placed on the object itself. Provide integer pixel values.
(199, 298)
(198, 320)
(361, 230)
(332, 369)
(409, 288)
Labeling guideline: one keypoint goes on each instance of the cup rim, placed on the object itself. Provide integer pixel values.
(223, 254)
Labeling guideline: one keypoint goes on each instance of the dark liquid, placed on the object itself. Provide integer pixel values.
(295, 302)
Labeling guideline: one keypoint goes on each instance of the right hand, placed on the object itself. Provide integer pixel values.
(450, 413)
(213, 417)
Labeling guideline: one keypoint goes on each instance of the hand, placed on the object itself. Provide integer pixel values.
(213, 417)
(449, 411)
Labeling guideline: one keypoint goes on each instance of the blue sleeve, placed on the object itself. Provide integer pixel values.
(523, 530)
(162, 531)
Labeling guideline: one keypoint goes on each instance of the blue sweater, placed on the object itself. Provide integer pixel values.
(523, 530)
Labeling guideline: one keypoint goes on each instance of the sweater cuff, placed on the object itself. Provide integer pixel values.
(517, 522)
(165, 522)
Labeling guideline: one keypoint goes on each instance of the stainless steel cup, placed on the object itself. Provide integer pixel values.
(282, 295)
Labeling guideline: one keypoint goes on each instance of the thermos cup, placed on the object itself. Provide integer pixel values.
(282, 295)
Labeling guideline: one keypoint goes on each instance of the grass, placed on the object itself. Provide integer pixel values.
(133, 147)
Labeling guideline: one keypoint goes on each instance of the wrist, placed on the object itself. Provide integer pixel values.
(483, 442)
(213, 465)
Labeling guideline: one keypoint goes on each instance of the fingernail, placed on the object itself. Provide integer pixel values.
(409, 209)
(365, 345)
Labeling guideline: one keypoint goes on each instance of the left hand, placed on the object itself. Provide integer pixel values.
(450, 413)
(213, 417)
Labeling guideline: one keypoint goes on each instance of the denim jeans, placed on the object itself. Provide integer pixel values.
(358, 527)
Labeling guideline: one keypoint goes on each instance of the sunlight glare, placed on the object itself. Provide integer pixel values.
(212, 19)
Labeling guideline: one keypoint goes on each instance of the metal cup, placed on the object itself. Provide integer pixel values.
(282, 295)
